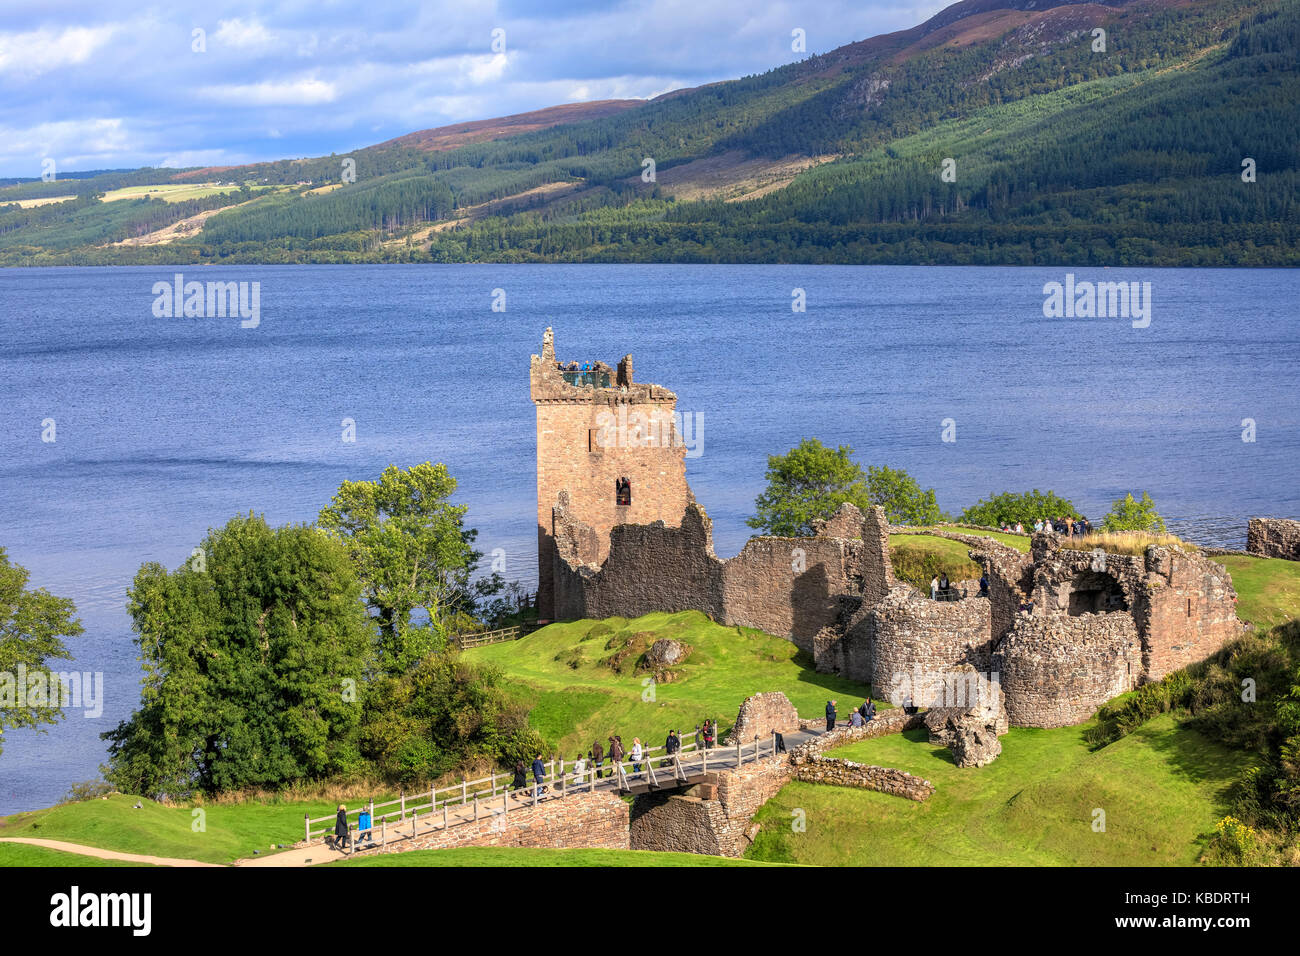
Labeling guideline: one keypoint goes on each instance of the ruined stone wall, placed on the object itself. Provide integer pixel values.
(1183, 604)
(652, 567)
(790, 587)
(761, 714)
(912, 635)
(1190, 611)
(1274, 538)
(1056, 671)
(587, 821)
(847, 773)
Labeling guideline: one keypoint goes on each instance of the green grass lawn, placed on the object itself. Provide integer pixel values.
(514, 856)
(233, 831)
(574, 705)
(1017, 541)
(1163, 788)
(20, 854)
(1268, 589)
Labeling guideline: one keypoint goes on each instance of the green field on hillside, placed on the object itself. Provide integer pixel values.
(576, 697)
(1162, 788)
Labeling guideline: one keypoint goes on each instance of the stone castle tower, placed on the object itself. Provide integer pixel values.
(611, 447)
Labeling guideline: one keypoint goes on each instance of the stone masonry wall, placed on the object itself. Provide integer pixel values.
(790, 587)
(914, 636)
(847, 773)
(1274, 538)
(587, 821)
(761, 714)
(1056, 671)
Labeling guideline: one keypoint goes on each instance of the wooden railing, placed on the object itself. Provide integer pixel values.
(472, 798)
(484, 638)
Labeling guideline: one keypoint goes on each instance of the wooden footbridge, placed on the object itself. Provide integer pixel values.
(470, 801)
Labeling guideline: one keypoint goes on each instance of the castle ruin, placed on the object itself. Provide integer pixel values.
(1064, 630)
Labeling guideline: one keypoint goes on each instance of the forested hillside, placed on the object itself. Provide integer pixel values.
(1000, 131)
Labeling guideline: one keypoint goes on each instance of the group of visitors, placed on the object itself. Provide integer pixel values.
(940, 586)
(1069, 526)
(343, 831)
(857, 718)
(591, 765)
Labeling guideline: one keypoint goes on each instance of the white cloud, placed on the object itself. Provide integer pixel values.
(237, 33)
(40, 51)
(301, 92)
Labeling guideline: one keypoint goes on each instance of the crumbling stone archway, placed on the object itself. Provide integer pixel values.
(1095, 592)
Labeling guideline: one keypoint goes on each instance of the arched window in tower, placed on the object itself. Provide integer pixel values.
(622, 492)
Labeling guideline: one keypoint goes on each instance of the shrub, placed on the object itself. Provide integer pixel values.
(918, 565)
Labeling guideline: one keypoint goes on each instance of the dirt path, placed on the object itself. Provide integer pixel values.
(105, 854)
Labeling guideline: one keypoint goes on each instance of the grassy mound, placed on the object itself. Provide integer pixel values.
(917, 558)
(1163, 788)
(563, 672)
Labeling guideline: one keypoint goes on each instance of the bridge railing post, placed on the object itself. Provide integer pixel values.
(383, 830)
(403, 796)
(445, 817)
(306, 826)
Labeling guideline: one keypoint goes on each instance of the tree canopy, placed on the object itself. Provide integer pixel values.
(1130, 514)
(255, 652)
(32, 625)
(807, 484)
(1024, 507)
(412, 552)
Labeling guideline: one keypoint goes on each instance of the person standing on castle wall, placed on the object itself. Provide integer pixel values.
(830, 715)
(984, 584)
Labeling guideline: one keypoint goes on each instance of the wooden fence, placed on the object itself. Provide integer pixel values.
(484, 638)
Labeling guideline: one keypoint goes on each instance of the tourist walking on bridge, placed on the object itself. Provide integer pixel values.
(636, 754)
(671, 746)
(710, 732)
(341, 829)
(521, 778)
(597, 758)
(616, 753)
(539, 774)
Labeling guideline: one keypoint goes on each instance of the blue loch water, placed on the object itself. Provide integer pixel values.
(165, 427)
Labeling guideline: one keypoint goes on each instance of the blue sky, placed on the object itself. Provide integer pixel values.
(108, 84)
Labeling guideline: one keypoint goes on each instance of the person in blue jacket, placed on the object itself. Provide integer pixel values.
(830, 715)
(539, 774)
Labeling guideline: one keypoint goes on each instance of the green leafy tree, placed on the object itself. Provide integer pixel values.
(902, 497)
(442, 714)
(1130, 514)
(32, 624)
(805, 485)
(254, 653)
(412, 552)
(1023, 507)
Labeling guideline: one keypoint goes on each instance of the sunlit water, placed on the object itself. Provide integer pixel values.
(167, 427)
